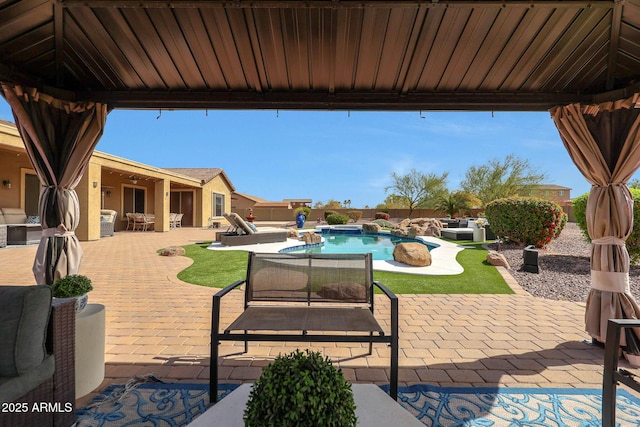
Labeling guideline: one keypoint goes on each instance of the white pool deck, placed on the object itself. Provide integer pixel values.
(443, 257)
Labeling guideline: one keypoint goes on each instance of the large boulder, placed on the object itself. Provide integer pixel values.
(417, 227)
(292, 233)
(172, 251)
(410, 253)
(371, 227)
(497, 259)
(310, 238)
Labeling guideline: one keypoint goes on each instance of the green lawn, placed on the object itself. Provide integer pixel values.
(220, 268)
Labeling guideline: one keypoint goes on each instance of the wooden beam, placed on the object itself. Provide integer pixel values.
(333, 4)
(338, 101)
(58, 34)
(614, 43)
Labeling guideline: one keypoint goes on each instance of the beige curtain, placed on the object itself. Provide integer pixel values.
(604, 142)
(59, 137)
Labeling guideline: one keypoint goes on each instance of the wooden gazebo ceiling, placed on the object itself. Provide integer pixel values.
(340, 54)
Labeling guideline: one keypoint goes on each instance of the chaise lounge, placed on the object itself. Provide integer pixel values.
(245, 234)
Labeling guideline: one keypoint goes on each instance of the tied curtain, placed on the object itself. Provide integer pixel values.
(59, 137)
(603, 141)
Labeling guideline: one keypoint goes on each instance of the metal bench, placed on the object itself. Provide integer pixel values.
(307, 298)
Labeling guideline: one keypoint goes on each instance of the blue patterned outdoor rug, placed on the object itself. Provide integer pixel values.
(514, 407)
(177, 404)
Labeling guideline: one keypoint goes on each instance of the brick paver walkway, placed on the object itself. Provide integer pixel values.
(158, 324)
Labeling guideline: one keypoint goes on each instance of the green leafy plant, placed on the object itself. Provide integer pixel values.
(633, 241)
(354, 215)
(73, 285)
(327, 213)
(337, 218)
(306, 211)
(300, 390)
(383, 223)
(525, 220)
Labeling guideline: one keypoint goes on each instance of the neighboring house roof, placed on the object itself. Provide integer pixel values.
(286, 205)
(203, 174)
(551, 187)
(252, 198)
(298, 200)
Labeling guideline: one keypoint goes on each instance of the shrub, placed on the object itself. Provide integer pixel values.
(73, 285)
(329, 212)
(382, 215)
(306, 211)
(525, 220)
(633, 241)
(383, 223)
(354, 215)
(336, 218)
(301, 390)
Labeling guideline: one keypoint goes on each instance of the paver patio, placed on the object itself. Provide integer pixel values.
(157, 324)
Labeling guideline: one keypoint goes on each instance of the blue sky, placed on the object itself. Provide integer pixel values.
(334, 155)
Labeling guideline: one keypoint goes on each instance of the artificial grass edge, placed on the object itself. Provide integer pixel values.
(478, 276)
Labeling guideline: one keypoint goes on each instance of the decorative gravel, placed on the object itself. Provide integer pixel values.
(564, 268)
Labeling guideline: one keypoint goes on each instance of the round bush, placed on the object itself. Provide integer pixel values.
(73, 285)
(525, 220)
(633, 241)
(301, 390)
(337, 218)
(306, 211)
(354, 215)
(382, 215)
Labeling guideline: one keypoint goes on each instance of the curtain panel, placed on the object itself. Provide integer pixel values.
(603, 140)
(59, 137)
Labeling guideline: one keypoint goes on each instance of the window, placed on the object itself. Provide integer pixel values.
(133, 199)
(218, 204)
(561, 193)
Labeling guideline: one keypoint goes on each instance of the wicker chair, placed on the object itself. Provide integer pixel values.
(58, 389)
(107, 222)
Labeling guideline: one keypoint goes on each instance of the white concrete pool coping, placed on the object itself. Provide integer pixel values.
(443, 257)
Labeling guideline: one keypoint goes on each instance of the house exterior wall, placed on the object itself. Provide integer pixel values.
(111, 175)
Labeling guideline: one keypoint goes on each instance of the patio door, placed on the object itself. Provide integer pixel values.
(31, 194)
(182, 202)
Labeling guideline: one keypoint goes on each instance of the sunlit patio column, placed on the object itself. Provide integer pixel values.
(89, 196)
(162, 204)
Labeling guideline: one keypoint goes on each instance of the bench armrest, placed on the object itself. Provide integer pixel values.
(229, 288)
(386, 290)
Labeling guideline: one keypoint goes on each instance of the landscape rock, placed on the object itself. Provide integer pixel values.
(497, 259)
(410, 253)
(371, 227)
(310, 238)
(417, 227)
(344, 291)
(172, 251)
(292, 233)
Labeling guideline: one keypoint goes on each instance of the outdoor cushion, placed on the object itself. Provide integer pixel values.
(33, 219)
(11, 388)
(24, 315)
(14, 216)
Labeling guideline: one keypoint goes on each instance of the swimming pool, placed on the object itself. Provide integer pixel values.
(380, 245)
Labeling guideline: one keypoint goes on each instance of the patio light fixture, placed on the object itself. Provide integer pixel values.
(7, 184)
(134, 180)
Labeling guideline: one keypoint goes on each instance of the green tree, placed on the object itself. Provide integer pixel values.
(417, 188)
(497, 179)
(393, 201)
(332, 204)
(459, 201)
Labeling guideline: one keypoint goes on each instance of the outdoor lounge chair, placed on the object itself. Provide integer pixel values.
(244, 234)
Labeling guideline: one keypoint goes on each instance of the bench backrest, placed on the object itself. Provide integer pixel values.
(336, 278)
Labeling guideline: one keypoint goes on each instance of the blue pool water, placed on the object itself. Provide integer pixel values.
(350, 242)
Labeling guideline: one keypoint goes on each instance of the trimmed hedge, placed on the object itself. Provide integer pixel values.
(384, 223)
(633, 241)
(336, 218)
(382, 215)
(526, 220)
(329, 212)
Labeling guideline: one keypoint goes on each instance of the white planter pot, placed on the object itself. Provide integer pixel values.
(479, 234)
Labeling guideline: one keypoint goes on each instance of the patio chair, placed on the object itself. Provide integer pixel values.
(179, 220)
(172, 219)
(245, 234)
(130, 220)
(143, 222)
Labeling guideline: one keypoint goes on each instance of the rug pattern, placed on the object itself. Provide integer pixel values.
(177, 404)
(497, 407)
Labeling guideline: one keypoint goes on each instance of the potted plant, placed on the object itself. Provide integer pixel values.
(301, 214)
(73, 286)
(301, 390)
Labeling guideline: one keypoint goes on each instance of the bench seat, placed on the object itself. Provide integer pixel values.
(307, 298)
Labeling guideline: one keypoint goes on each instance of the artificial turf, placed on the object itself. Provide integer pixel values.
(221, 268)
